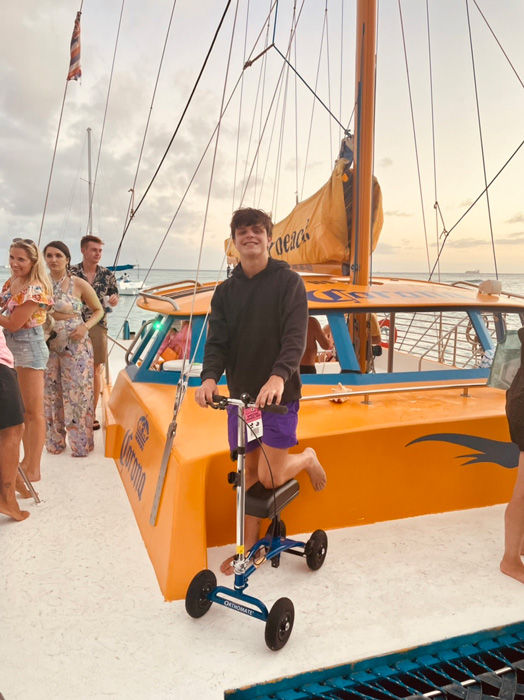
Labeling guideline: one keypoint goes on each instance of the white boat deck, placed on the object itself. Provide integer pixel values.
(83, 617)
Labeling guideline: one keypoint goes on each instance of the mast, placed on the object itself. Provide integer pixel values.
(89, 182)
(360, 237)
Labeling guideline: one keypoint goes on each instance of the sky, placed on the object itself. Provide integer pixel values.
(275, 141)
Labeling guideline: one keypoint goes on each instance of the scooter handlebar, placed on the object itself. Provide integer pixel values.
(269, 408)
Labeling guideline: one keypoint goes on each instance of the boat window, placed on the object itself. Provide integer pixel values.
(440, 340)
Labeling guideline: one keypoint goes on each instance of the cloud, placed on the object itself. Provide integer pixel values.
(517, 219)
(512, 239)
(397, 213)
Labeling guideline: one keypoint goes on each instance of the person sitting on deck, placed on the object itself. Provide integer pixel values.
(315, 335)
(176, 345)
(257, 333)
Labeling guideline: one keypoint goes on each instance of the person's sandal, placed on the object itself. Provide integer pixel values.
(96, 425)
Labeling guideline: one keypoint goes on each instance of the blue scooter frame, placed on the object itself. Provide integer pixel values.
(203, 591)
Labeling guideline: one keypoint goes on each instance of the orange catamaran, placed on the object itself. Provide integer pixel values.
(408, 429)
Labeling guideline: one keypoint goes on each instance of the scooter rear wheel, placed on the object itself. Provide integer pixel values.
(316, 549)
(197, 601)
(279, 624)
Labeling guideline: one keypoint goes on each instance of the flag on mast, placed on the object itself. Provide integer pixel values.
(75, 72)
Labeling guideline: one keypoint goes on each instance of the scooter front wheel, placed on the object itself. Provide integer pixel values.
(279, 623)
(197, 600)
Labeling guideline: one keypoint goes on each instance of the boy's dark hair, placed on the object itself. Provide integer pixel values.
(247, 217)
(90, 239)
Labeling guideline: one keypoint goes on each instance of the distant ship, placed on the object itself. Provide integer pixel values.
(472, 272)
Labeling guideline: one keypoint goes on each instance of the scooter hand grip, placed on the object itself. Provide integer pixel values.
(217, 398)
(275, 408)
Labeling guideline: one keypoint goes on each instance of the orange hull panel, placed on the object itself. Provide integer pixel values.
(374, 473)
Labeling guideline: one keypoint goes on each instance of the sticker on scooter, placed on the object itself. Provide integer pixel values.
(253, 418)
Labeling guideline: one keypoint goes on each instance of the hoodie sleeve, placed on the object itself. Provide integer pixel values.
(217, 343)
(294, 328)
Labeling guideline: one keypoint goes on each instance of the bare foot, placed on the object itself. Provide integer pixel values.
(315, 471)
(227, 566)
(21, 488)
(33, 476)
(513, 568)
(12, 509)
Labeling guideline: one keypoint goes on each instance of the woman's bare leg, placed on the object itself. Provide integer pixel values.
(31, 383)
(9, 447)
(511, 563)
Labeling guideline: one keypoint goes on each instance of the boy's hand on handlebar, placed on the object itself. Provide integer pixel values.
(204, 393)
(271, 392)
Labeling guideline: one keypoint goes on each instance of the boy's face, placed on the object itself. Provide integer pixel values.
(252, 240)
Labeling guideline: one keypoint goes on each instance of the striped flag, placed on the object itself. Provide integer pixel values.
(75, 72)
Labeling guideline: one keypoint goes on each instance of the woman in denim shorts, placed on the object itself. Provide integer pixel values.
(25, 299)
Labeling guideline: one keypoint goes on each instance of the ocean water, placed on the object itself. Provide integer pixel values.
(127, 309)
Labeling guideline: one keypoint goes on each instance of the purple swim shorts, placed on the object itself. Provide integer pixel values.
(278, 430)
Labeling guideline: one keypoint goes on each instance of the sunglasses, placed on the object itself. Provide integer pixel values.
(24, 240)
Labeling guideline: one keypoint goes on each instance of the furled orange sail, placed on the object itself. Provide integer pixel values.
(316, 232)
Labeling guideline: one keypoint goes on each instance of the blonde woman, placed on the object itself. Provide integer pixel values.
(25, 299)
(69, 377)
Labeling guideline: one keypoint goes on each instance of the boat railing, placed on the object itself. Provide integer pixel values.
(366, 393)
(138, 336)
(464, 283)
(161, 297)
(435, 337)
(442, 344)
(174, 286)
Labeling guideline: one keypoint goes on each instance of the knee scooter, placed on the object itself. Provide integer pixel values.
(262, 503)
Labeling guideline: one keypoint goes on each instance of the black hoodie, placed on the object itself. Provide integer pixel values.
(257, 328)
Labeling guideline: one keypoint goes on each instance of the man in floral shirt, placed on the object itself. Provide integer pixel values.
(104, 283)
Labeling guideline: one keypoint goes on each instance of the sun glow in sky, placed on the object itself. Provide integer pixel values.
(274, 141)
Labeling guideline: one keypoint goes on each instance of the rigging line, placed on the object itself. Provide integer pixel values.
(417, 159)
(211, 175)
(279, 83)
(106, 105)
(309, 88)
(499, 44)
(262, 65)
(183, 198)
(194, 175)
(278, 88)
(240, 110)
(72, 193)
(262, 79)
(481, 141)
(371, 253)
(433, 139)
(280, 148)
(341, 63)
(215, 37)
(312, 112)
(446, 233)
(329, 84)
(346, 130)
(52, 163)
(296, 118)
(133, 186)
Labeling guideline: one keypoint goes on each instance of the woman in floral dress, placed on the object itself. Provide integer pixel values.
(69, 397)
(25, 300)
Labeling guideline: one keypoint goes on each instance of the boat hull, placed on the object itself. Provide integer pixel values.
(399, 456)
